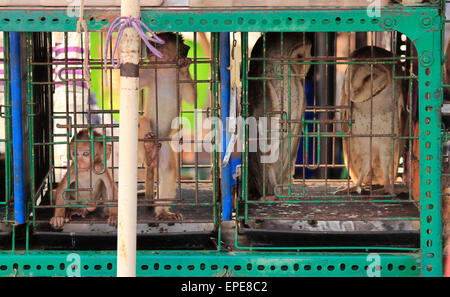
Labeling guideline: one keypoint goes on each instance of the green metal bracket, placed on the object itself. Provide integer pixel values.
(189, 263)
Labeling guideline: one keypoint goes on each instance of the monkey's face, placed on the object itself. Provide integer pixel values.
(83, 156)
(169, 51)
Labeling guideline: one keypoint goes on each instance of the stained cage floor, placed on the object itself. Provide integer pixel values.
(6, 229)
(362, 220)
(195, 231)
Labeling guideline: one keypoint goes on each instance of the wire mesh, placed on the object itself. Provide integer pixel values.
(61, 105)
(307, 188)
(322, 137)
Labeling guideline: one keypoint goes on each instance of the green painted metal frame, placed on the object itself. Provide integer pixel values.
(422, 25)
(210, 263)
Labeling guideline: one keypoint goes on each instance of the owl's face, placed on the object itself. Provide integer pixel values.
(366, 81)
(301, 51)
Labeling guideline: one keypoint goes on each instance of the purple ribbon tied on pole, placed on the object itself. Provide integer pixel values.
(142, 29)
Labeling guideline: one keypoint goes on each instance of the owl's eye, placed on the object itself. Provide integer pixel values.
(369, 77)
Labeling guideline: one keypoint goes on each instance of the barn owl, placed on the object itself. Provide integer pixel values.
(285, 98)
(365, 88)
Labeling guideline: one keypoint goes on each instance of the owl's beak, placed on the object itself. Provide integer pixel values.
(355, 92)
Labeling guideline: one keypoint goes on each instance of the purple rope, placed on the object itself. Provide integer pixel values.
(137, 24)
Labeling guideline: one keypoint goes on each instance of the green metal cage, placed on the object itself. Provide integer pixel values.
(61, 105)
(309, 197)
(422, 25)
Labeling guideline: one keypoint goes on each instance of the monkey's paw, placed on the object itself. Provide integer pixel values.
(57, 222)
(82, 212)
(112, 221)
(184, 62)
(167, 215)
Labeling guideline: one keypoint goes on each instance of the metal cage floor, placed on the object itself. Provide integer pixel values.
(195, 231)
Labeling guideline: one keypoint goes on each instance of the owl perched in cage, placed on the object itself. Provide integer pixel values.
(378, 118)
(276, 92)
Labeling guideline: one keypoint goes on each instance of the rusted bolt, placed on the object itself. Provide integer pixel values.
(388, 23)
(426, 21)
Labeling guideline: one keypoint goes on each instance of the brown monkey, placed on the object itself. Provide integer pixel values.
(148, 152)
(88, 175)
(161, 106)
(284, 96)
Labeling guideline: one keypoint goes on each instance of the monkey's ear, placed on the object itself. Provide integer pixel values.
(184, 63)
(108, 151)
(71, 151)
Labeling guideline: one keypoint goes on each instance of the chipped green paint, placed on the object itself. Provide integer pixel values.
(207, 263)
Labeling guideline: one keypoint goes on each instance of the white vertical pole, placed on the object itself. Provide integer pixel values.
(129, 95)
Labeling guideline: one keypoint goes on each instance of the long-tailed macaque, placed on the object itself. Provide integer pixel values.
(161, 105)
(92, 178)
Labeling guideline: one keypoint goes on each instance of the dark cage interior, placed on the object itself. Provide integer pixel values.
(74, 134)
(5, 146)
(342, 124)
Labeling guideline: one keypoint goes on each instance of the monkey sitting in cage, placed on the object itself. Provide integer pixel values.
(377, 109)
(162, 103)
(90, 181)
